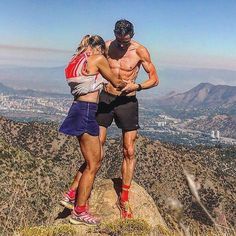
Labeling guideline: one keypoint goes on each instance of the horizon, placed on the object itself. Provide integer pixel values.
(171, 79)
(68, 93)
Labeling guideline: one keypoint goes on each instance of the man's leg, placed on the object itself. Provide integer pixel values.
(128, 166)
(102, 138)
(129, 160)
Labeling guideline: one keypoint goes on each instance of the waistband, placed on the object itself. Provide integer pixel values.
(86, 104)
(118, 96)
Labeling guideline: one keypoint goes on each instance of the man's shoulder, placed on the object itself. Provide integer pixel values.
(136, 43)
(108, 42)
(141, 50)
(138, 46)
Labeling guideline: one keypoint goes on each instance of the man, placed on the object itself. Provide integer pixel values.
(125, 56)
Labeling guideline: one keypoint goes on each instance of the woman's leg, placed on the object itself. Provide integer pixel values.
(77, 177)
(68, 200)
(91, 150)
(102, 138)
(69, 197)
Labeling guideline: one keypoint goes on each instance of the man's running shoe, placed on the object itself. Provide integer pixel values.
(84, 218)
(67, 201)
(125, 209)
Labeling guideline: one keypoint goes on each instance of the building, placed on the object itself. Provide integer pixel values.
(213, 134)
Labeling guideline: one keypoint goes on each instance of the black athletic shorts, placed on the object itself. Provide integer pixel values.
(123, 109)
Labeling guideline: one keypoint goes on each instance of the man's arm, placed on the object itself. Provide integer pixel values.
(148, 66)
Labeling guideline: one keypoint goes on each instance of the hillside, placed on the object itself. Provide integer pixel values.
(38, 164)
(224, 123)
(205, 95)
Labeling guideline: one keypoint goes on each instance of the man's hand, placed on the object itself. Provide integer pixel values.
(121, 85)
(130, 87)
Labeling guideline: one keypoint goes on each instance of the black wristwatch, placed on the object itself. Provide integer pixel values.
(139, 87)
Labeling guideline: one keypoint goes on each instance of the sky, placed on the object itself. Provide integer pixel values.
(177, 33)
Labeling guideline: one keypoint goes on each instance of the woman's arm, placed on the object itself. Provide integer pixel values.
(104, 68)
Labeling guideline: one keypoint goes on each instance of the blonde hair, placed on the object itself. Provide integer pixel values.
(92, 41)
(83, 44)
(96, 40)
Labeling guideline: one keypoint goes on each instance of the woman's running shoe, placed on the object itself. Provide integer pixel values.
(84, 218)
(67, 201)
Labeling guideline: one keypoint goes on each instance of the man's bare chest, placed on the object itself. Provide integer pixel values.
(127, 61)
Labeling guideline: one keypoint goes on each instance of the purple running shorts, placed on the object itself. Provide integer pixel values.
(81, 119)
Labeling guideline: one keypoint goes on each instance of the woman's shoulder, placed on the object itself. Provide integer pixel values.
(97, 58)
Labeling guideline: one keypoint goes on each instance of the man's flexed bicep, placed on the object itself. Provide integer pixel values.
(148, 66)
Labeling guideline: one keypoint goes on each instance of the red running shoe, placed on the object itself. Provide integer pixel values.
(67, 201)
(125, 209)
(84, 218)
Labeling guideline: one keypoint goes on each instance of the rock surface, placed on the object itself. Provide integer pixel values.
(104, 197)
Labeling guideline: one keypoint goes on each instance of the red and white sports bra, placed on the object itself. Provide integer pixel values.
(79, 82)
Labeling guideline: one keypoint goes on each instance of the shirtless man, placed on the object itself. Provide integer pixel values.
(125, 56)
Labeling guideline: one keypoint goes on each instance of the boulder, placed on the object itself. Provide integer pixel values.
(104, 197)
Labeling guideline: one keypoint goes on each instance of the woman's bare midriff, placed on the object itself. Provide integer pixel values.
(90, 97)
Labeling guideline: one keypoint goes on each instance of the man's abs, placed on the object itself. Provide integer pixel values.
(126, 76)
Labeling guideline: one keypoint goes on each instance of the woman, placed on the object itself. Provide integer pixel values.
(85, 75)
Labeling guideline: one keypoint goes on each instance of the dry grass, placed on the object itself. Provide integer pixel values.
(133, 227)
(53, 230)
(125, 227)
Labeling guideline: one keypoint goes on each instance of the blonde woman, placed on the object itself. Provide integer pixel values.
(86, 74)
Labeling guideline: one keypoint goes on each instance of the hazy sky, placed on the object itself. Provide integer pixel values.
(178, 33)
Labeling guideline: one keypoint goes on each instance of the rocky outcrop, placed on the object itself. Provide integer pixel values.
(104, 196)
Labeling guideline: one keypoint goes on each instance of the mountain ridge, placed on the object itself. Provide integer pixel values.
(202, 95)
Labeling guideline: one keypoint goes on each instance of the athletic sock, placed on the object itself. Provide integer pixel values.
(125, 193)
(71, 193)
(80, 209)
